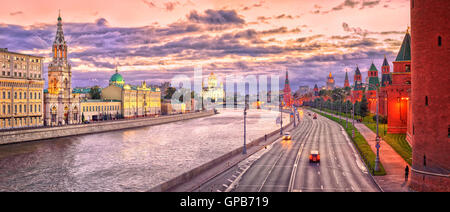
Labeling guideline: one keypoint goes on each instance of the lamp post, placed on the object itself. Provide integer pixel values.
(281, 117)
(245, 130)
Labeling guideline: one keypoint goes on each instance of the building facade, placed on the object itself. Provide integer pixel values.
(21, 90)
(98, 110)
(136, 101)
(346, 82)
(62, 107)
(430, 95)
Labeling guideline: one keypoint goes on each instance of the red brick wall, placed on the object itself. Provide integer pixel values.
(430, 80)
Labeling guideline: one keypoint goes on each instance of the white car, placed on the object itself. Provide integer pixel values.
(287, 136)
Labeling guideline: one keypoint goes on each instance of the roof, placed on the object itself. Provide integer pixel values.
(373, 68)
(116, 78)
(405, 50)
(357, 72)
(385, 62)
(373, 81)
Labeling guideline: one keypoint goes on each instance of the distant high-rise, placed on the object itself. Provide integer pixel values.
(330, 82)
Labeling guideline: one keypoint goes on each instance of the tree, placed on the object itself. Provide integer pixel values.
(95, 92)
(364, 106)
(170, 91)
(82, 118)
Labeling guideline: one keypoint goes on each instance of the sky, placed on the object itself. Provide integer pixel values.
(155, 40)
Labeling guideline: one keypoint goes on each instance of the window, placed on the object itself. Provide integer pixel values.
(439, 41)
(408, 68)
(412, 4)
(31, 108)
(15, 95)
(24, 95)
(20, 95)
(426, 100)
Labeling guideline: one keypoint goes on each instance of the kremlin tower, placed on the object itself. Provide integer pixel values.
(374, 83)
(385, 81)
(346, 82)
(357, 86)
(430, 95)
(287, 96)
(398, 91)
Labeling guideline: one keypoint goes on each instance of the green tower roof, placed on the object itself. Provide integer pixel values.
(405, 51)
(373, 68)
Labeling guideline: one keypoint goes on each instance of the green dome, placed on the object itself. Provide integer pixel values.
(116, 78)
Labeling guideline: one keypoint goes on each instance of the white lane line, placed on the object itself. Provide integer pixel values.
(229, 180)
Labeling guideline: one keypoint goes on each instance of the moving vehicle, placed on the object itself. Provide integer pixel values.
(314, 157)
(287, 136)
(315, 116)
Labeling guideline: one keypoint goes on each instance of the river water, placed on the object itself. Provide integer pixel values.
(128, 160)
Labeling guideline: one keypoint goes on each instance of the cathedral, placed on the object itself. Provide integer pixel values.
(62, 107)
(213, 91)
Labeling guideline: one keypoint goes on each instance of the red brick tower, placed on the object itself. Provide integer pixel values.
(287, 96)
(346, 82)
(357, 86)
(385, 81)
(430, 95)
(374, 83)
(399, 91)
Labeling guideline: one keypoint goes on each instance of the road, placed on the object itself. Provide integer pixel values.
(284, 166)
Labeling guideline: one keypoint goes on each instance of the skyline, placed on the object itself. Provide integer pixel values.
(309, 39)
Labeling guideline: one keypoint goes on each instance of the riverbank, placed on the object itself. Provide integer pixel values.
(26, 135)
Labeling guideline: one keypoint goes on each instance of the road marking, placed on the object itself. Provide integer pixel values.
(219, 191)
(225, 185)
(234, 176)
(352, 188)
(229, 180)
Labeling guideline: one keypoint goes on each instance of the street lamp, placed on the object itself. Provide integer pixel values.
(281, 117)
(245, 130)
(377, 139)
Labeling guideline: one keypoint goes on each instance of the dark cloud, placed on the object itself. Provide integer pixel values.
(369, 3)
(16, 13)
(346, 3)
(149, 3)
(171, 5)
(216, 17)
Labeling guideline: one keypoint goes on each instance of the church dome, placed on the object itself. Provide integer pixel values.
(116, 79)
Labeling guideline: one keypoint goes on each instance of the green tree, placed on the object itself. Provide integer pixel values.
(170, 91)
(95, 92)
(83, 119)
(364, 109)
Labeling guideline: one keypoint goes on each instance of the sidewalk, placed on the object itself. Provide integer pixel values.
(394, 180)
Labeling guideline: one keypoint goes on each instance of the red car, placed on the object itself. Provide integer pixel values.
(314, 157)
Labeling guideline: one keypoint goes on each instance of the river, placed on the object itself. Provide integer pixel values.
(128, 160)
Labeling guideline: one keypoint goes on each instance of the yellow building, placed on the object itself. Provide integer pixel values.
(96, 110)
(136, 101)
(21, 90)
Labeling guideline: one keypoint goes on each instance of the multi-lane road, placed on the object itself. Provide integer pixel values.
(284, 166)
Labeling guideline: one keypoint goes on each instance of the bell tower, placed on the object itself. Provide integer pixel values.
(59, 70)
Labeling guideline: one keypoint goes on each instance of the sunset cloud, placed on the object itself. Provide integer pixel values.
(266, 38)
